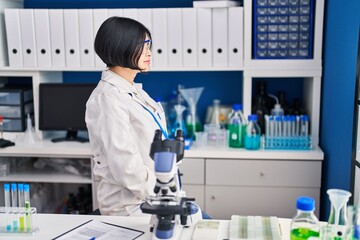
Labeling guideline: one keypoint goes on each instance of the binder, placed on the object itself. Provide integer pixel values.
(236, 37)
(204, 40)
(99, 16)
(144, 16)
(174, 30)
(159, 36)
(42, 35)
(189, 29)
(115, 12)
(86, 38)
(71, 26)
(220, 37)
(57, 37)
(27, 29)
(13, 37)
(130, 13)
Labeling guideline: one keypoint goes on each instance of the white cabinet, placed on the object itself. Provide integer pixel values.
(259, 187)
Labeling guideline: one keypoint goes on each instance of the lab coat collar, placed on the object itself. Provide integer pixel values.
(124, 86)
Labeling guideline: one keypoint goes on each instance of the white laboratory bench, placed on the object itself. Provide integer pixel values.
(53, 225)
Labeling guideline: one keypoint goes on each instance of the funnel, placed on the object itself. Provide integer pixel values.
(179, 123)
(338, 199)
(192, 96)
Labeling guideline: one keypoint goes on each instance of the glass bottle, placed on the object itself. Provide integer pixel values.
(236, 127)
(215, 117)
(305, 224)
(253, 133)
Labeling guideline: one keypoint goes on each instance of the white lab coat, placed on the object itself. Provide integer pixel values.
(120, 133)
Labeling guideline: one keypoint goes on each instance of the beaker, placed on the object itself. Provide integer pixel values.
(353, 224)
(338, 217)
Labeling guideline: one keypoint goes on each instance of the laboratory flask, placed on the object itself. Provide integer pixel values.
(236, 127)
(338, 212)
(305, 224)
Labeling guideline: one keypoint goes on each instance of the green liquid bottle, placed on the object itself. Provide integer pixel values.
(305, 224)
(236, 127)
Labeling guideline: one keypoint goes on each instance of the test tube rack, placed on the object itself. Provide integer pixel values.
(288, 143)
(17, 220)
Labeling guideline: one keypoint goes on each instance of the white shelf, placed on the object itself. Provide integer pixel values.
(82, 150)
(44, 176)
(94, 69)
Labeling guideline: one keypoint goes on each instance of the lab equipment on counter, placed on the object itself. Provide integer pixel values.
(16, 217)
(3, 142)
(171, 210)
(287, 132)
(29, 136)
(353, 224)
(179, 122)
(237, 127)
(277, 110)
(253, 133)
(305, 224)
(216, 136)
(338, 217)
(254, 227)
(217, 116)
(193, 123)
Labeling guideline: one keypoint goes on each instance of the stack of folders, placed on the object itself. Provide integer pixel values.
(182, 37)
(254, 227)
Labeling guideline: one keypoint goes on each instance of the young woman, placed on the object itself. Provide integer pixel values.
(121, 119)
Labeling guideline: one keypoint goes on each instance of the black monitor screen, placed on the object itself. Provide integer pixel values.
(62, 106)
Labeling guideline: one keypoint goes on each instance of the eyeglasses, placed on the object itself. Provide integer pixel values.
(147, 45)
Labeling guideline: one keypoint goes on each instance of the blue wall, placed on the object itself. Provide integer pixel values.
(338, 91)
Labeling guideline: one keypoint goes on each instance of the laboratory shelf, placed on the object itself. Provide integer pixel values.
(45, 176)
(46, 148)
(96, 69)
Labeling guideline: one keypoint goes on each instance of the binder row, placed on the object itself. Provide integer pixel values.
(182, 37)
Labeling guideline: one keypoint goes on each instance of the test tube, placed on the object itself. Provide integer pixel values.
(14, 204)
(27, 207)
(7, 206)
(304, 121)
(21, 205)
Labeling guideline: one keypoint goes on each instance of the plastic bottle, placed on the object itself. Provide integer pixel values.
(305, 224)
(236, 127)
(215, 117)
(253, 133)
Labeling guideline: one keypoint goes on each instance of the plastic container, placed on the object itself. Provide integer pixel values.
(253, 133)
(305, 224)
(237, 127)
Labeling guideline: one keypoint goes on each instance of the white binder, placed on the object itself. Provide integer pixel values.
(144, 16)
(174, 29)
(99, 16)
(204, 38)
(42, 35)
(189, 27)
(115, 12)
(236, 37)
(13, 37)
(130, 13)
(86, 38)
(71, 26)
(27, 28)
(159, 36)
(220, 37)
(57, 37)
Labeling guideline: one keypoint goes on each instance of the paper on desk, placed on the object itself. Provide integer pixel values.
(100, 231)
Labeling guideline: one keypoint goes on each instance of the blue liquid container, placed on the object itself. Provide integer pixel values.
(253, 133)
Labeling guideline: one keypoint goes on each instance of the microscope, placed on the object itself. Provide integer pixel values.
(171, 210)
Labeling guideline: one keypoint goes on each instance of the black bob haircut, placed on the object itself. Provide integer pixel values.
(120, 42)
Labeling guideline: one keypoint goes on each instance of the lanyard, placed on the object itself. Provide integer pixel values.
(161, 128)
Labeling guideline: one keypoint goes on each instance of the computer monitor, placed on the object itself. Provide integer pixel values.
(62, 107)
